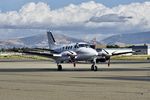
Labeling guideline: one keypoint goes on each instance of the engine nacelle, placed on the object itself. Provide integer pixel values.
(102, 58)
(69, 54)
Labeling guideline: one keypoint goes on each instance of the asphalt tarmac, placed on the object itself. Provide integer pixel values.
(42, 81)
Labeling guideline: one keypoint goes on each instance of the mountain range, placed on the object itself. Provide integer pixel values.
(132, 38)
(40, 40)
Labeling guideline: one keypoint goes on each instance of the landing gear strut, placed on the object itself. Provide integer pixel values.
(94, 67)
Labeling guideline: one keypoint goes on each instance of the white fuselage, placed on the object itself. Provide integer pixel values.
(82, 50)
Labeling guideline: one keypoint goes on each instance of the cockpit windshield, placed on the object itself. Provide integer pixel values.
(84, 45)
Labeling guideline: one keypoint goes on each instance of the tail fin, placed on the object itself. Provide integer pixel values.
(51, 40)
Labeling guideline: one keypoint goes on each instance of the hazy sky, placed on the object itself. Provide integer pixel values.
(19, 18)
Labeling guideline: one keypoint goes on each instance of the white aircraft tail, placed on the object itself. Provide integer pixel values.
(51, 40)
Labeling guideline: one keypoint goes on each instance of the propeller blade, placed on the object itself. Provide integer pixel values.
(72, 56)
(109, 62)
(73, 61)
(74, 64)
(106, 51)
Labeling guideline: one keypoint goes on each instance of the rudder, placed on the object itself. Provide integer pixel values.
(51, 40)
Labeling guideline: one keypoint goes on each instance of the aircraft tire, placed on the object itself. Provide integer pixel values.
(59, 67)
(95, 68)
(92, 68)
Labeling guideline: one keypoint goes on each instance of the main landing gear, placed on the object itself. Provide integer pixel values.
(93, 67)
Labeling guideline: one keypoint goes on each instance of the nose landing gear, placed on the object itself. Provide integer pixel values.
(94, 67)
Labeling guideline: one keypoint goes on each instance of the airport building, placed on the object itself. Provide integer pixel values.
(148, 50)
(144, 49)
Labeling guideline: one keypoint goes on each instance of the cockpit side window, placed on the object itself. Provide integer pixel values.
(81, 45)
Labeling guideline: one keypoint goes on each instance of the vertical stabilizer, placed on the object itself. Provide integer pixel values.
(51, 40)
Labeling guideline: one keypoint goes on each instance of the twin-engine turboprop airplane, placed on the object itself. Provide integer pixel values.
(68, 52)
(73, 52)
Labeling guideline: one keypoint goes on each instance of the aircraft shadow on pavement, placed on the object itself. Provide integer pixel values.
(69, 69)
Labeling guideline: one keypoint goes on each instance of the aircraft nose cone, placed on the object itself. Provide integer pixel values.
(91, 51)
(88, 51)
(94, 52)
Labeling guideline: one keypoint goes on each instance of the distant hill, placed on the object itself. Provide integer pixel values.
(39, 40)
(132, 38)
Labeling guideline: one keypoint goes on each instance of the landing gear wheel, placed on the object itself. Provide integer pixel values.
(59, 68)
(92, 68)
(95, 68)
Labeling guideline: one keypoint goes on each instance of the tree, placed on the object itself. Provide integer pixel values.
(113, 46)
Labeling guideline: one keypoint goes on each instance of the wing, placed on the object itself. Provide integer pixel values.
(43, 54)
(43, 49)
(115, 54)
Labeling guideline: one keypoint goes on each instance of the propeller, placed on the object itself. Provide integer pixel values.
(108, 56)
(74, 63)
(115, 54)
(109, 62)
(73, 56)
(73, 60)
